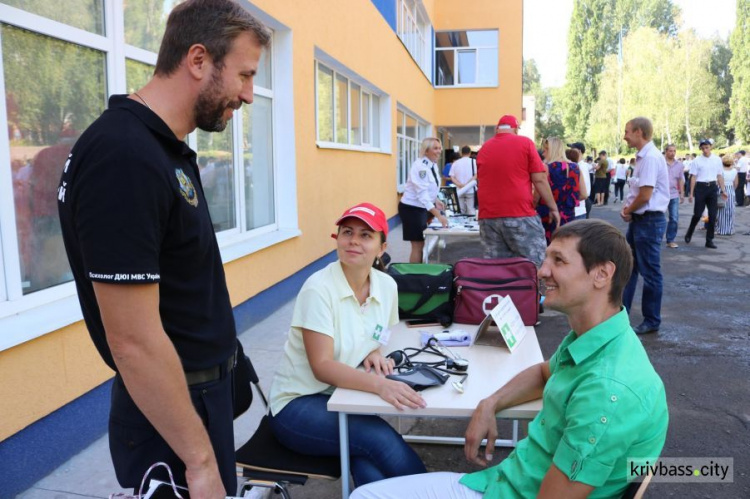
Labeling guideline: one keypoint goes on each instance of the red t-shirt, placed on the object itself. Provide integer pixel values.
(504, 167)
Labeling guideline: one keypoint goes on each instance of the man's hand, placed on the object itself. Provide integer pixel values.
(443, 220)
(439, 205)
(627, 217)
(204, 482)
(483, 424)
(682, 199)
(690, 199)
(375, 360)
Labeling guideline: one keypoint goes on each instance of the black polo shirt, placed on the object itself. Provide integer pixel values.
(132, 211)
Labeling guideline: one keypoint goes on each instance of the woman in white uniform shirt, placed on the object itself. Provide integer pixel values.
(341, 318)
(420, 197)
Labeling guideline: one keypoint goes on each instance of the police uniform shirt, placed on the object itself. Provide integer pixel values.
(706, 169)
(423, 184)
(132, 211)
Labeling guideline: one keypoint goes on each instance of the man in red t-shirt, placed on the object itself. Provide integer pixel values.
(507, 166)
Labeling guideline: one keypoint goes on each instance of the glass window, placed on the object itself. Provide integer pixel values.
(325, 104)
(411, 127)
(216, 165)
(375, 121)
(145, 21)
(137, 74)
(263, 76)
(366, 118)
(83, 14)
(349, 107)
(342, 109)
(467, 67)
(258, 163)
(400, 124)
(53, 90)
(354, 137)
(488, 70)
(466, 58)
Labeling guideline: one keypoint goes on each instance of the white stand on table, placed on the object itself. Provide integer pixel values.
(489, 369)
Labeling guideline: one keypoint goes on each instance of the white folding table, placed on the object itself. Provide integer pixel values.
(489, 369)
(433, 235)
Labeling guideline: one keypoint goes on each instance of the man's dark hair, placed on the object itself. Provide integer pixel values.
(742, 152)
(600, 242)
(622, 161)
(465, 150)
(213, 23)
(602, 153)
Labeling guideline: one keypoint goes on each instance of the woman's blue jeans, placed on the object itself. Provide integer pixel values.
(376, 450)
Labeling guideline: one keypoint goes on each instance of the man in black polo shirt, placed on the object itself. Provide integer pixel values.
(144, 255)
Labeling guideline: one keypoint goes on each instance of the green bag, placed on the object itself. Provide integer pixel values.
(424, 291)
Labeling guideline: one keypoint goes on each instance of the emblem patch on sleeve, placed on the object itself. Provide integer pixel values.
(186, 187)
(423, 174)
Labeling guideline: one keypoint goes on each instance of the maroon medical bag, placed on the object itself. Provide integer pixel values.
(481, 283)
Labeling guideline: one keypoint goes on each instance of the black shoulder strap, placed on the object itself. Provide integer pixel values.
(434, 175)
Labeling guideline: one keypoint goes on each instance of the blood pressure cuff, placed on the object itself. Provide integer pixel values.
(420, 377)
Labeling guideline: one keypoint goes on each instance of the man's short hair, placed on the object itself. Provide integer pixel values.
(644, 125)
(600, 242)
(741, 151)
(465, 150)
(668, 146)
(213, 23)
(602, 153)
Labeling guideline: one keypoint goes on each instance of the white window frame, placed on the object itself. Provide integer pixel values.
(23, 318)
(408, 147)
(382, 109)
(472, 48)
(414, 29)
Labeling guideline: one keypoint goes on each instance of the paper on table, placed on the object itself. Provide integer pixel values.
(509, 322)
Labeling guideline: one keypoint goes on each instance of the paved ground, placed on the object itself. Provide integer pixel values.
(702, 353)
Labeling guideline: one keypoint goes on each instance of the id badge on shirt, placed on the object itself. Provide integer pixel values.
(381, 334)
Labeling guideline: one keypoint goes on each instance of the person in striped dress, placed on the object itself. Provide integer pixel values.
(725, 216)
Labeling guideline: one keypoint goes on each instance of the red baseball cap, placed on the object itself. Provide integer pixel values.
(508, 121)
(369, 214)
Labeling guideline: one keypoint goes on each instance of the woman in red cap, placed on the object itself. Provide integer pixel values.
(341, 319)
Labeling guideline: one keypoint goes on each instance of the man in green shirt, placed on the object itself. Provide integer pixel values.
(603, 401)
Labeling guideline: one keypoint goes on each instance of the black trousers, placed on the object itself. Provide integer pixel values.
(705, 195)
(609, 183)
(135, 444)
(739, 193)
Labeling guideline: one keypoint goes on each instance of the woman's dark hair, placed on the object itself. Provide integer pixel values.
(622, 161)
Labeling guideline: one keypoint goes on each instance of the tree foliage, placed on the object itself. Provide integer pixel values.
(593, 34)
(667, 79)
(547, 114)
(740, 70)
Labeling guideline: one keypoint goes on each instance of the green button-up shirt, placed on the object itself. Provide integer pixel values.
(603, 404)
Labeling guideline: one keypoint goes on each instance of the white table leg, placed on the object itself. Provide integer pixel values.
(515, 432)
(344, 453)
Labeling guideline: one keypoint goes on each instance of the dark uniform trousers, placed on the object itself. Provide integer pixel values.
(706, 195)
(135, 444)
(739, 193)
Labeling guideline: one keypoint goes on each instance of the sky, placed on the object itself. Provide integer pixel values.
(545, 30)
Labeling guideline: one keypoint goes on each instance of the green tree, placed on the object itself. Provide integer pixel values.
(531, 77)
(721, 57)
(683, 100)
(740, 71)
(593, 34)
(549, 118)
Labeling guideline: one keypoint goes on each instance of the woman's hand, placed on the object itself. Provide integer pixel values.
(400, 395)
(375, 360)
